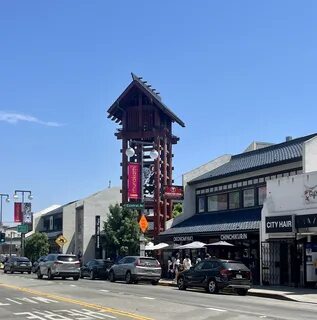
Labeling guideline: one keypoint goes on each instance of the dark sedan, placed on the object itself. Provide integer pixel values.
(215, 275)
(18, 264)
(96, 268)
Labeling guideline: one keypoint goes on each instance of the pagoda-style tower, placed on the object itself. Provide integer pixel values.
(146, 124)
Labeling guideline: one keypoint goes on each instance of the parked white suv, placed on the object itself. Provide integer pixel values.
(135, 268)
(59, 265)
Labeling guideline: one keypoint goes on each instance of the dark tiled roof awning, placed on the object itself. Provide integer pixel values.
(239, 220)
(274, 155)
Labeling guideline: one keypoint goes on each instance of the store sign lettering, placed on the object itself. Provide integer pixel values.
(306, 221)
(279, 224)
(183, 238)
(310, 193)
(234, 236)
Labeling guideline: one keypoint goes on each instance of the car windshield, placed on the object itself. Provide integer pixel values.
(67, 258)
(235, 266)
(23, 259)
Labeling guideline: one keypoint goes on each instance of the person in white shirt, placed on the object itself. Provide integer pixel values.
(187, 262)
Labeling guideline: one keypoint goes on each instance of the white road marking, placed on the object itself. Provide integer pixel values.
(104, 290)
(72, 285)
(14, 301)
(262, 316)
(215, 309)
(149, 298)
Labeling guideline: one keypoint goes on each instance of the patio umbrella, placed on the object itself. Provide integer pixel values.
(193, 245)
(158, 246)
(220, 243)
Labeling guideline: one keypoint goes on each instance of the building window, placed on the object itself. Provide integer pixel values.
(250, 182)
(198, 192)
(217, 202)
(248, 198)
(201, 204)
(240, 184)
(234, 200)
(261, 195)
(261, 180)
(244, 183)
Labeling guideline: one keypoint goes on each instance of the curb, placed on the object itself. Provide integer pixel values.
(250, 293)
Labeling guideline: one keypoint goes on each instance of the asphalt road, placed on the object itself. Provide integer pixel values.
(107, 300)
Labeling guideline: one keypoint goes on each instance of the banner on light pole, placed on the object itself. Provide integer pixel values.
(18, 216)
(134, 190)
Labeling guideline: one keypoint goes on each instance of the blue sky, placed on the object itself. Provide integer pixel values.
(233, 71)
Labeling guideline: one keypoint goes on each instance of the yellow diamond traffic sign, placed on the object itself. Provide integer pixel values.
(61, 240)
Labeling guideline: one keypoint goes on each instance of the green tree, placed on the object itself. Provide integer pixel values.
(122, 232)
(36, 245)
(177, 210)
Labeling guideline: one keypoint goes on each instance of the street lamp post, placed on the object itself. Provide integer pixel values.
(16, 197)
(3, 195)
(130, 152)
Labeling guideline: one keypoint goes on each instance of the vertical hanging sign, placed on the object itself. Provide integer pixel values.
(134, 181)
(97, 238)
(18, 217)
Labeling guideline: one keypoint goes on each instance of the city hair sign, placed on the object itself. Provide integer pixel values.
(279, 224)
(234, 236)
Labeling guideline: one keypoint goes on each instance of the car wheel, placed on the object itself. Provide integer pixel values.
(212, 286)
(11, 270)
(154, 282)
(49, 274)
(92, 275)
(4, 270)
(136, 281)
(112, 277)
(181, 283)
(39, 275)
(128, 278)
(63, 278)
(76, 278)
(29, 272)
(242, 292)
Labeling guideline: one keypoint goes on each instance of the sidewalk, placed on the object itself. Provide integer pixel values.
(281, 293)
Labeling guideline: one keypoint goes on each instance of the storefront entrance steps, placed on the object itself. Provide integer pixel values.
(276, 292)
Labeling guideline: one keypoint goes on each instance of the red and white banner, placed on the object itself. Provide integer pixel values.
(173, 192)
(134, 183)
(18, 215)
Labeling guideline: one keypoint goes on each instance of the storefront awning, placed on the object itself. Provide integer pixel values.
(238, 220)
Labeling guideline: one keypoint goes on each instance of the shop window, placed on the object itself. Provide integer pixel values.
(234, 200)
(230, 186)
(198, 192)
(217, 202)
(261, 195)
(250, 182)
(255, 181)
(201, 204)
(220, 188)
(240, 184)
(234, 185)
(261, 180)
(285, 174)
(211, 189)
(225, 187)
(244, 183)
(248, 198)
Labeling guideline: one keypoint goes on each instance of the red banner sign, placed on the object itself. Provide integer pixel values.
(18, 216)
(134, 185)
(173, 192)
